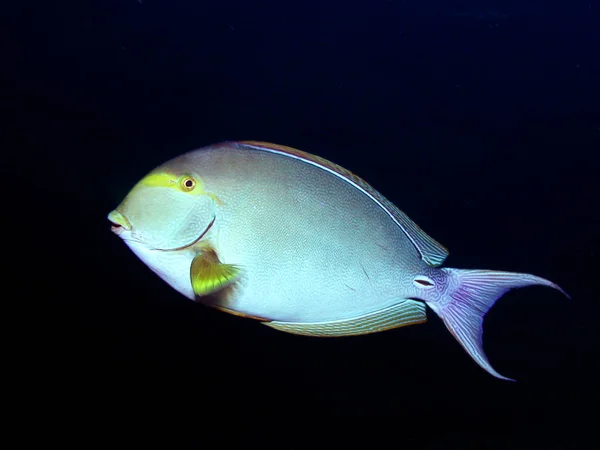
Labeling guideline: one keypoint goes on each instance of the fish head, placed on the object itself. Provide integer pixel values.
(162, 219)
(167, 210)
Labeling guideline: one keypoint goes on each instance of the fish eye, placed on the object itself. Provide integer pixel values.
(187, 183)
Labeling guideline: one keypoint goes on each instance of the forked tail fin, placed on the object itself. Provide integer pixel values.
(468, 297)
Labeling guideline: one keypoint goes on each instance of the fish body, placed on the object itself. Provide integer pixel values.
(293, 240)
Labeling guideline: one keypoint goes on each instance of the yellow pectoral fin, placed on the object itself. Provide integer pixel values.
(209, 275)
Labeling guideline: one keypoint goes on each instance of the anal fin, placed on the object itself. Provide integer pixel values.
(404, 313)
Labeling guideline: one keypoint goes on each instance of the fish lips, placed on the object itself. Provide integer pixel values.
(117, 229)
(120, 223)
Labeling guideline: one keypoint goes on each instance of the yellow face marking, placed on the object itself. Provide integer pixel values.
(188, 183)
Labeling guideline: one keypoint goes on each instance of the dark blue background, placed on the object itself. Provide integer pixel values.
(479, 119)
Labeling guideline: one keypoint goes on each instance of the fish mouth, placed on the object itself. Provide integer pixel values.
(119, 221)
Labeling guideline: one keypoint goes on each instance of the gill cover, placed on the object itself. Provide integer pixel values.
(168, 211)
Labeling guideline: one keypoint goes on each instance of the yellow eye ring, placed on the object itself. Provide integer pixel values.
(187, 183)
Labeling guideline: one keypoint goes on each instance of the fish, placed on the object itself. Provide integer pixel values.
(302, 245)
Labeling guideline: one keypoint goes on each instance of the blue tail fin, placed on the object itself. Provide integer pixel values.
(469, 296)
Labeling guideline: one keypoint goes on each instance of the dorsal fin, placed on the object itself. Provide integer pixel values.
(431, 251)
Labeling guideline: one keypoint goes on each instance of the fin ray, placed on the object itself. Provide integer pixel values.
(208, 275)
(405, 313)
(474, 293)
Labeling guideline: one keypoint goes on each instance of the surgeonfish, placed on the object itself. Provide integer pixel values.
(300, 244)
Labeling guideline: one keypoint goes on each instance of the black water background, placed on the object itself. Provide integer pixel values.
(479, 119)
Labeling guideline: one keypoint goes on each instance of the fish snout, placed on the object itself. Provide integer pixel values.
(120, 222)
